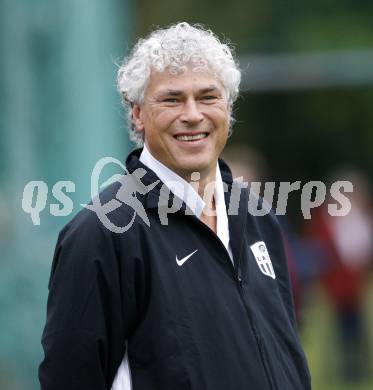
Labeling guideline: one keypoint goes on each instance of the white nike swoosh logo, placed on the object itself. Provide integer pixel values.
(184, 259)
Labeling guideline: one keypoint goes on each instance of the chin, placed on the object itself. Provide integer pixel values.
(193, 167)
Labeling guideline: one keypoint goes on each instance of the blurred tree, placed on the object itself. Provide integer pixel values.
(60, 113)
(269, 25)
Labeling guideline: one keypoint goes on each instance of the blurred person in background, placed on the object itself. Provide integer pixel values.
(200, 301)
(347, 252)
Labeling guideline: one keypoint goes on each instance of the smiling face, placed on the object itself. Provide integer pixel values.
(185, 119)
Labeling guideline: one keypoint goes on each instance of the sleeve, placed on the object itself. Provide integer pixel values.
(85, 331)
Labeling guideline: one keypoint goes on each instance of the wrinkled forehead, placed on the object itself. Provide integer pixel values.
(187, 79)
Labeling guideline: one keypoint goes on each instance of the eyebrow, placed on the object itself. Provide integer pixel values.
(171, 92)
(175, 92)
(211, 88)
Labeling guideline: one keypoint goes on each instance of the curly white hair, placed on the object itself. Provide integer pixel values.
(173, 49)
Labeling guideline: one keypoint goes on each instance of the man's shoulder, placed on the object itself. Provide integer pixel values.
(257, 202)
(257, 208)
(90, 220)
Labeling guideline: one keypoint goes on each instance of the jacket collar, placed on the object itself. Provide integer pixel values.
(155, 197)
(235, 198)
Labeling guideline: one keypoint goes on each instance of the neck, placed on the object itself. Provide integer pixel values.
(204, 185)
(206, 192)
(206, 189)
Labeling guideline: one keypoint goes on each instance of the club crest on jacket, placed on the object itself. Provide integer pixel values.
(262, 258)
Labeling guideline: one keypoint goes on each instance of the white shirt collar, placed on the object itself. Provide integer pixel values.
(222, 227)
(180, 187)
(185, 191)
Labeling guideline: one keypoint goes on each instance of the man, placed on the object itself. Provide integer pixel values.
(199, 297)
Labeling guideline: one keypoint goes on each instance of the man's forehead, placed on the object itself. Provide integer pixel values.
(167, 82)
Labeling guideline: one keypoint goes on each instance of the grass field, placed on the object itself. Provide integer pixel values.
(323, 353)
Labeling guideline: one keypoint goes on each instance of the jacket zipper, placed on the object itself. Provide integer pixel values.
(261, 352)
(238, 277)
(252, 324)
(215, 237)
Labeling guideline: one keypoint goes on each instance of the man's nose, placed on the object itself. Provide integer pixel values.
(191, 112)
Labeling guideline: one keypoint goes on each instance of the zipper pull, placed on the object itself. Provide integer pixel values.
(239, 279)
(257, 336)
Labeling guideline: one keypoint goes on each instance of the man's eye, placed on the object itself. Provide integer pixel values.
(170, 100)
(209, 97)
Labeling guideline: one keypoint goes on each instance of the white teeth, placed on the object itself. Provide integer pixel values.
(191, 137)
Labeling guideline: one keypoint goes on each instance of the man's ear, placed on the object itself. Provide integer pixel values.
(137, 117)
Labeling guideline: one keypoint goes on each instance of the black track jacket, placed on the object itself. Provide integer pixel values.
(205, 325)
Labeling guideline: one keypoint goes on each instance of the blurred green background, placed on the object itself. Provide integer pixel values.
(305, 109)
